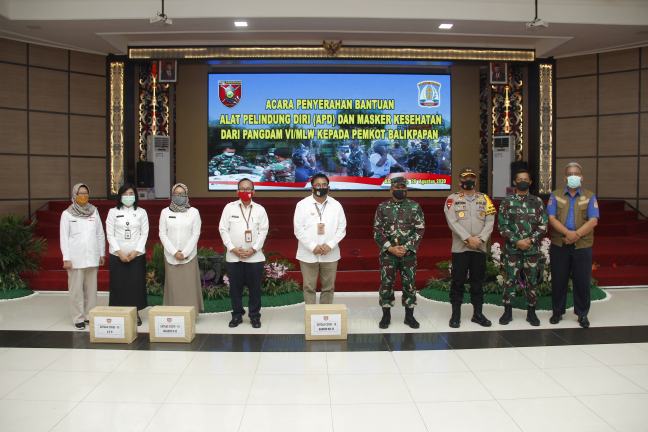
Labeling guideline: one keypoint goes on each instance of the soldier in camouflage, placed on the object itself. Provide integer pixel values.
(522, 222)
(398, 229)
(422, 160)
(356, 159)
(227, 162)
(281, 171)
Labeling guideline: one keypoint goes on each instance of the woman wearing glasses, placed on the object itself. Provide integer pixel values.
(179, 232)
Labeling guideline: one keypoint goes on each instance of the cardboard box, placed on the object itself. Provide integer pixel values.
(172, 323)
(325, 321)
(113, 324)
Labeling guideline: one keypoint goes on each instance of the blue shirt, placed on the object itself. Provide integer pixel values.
(570, 223)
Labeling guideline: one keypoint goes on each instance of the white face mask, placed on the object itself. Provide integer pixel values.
(229, 153)
(573, 181)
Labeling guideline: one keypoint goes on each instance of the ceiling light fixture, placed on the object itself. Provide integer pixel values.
(161, 17)
(445, 26)
(240, 23)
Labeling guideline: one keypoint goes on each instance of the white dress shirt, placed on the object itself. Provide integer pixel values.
(180, 231)
(381, 171)
(305, 224)
(82, 240)
(232, 229)
(127, 230)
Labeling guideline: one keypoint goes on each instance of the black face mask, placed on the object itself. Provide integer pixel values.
(322, 192)
(522, 186)
(399, 194)
(468, 184)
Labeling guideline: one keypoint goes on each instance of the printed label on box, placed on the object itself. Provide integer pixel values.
(326, 325)
(169, 326)
(109, 327)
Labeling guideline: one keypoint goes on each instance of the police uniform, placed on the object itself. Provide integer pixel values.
(467, 216)
(573, 259)
(520, 217)
(398, 223)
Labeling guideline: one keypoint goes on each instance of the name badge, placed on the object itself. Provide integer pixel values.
(248, 236)
(320, 229)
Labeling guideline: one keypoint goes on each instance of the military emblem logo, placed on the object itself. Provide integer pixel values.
(429, 94)
(229, 92)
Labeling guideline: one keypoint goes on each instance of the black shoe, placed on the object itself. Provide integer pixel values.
(256, 322)
(80, 325)
(139, 320)
(386, 318)
(555, 318)
(532, 318)
(481, 320)
(583, 321)
(236, 320)
(455, 319)
(409, 318)
(507, 316)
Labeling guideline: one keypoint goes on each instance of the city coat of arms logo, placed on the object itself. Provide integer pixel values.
(229, 92)
(429, 94)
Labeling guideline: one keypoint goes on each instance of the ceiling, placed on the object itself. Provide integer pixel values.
(111, 26)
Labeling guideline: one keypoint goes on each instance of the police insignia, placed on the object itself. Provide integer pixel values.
(449, 202)
(490, 207)
(229, 92)
(461, 214)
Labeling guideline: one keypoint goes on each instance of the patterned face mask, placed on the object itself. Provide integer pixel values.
(179, 200)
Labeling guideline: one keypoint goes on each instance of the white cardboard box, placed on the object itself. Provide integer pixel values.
(325, 321)
(113, 324)
(172, 324)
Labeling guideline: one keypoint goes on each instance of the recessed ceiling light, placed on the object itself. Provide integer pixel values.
(445, 26)
(240, 24)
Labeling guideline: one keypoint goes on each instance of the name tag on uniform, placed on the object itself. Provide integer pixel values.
(248, 236)
(320, 228)
(127, 232)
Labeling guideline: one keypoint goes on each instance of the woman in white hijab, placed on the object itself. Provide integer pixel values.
(83, 246)
(179, 233)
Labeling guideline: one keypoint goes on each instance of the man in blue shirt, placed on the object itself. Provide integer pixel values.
(573, 213)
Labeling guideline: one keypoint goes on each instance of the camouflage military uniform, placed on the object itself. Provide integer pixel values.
(355, 162)
(398, 223)
(282, 171)
(422, 161)
(226, 165)
(520, 217)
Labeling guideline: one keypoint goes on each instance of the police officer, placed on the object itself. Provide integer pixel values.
(227, 162)
(470, 216)
(422, 160)
(281, 171)
(522, 221)
(573, 214)
(398, 229)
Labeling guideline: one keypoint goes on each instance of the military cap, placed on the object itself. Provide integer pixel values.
(399, 180)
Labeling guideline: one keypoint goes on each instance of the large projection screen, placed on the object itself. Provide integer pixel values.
(360, 129)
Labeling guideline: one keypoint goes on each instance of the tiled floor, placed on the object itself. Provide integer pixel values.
(555, 378)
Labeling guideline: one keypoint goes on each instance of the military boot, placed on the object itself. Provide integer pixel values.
(479, 318)
(455, 319)
(409, 318)
(386, 318)
(507, 316)
(532, 318)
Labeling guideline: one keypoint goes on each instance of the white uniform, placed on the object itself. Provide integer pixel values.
(127, 230)
(180, 231)
(233, 225)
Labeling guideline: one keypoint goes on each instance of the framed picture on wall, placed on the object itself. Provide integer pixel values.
(498, 73)
(168, 70)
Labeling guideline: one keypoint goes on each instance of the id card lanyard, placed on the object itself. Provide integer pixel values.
(248, 231)
(320, 225)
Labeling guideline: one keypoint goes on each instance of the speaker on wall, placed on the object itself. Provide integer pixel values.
(145, 174)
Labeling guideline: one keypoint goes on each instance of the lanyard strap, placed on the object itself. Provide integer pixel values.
(320, 213)
(247, 220)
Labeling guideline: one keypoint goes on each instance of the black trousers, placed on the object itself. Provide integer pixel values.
(462, 264)
(566, 262)
(243, 274)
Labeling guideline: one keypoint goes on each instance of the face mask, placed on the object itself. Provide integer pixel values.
(522, 186)
(179, 200)
(573, 181)
(399, 194)
(128, 200)
(82, 199)
(322, 192)
(229, 153)
(245, 196)
(468, 185)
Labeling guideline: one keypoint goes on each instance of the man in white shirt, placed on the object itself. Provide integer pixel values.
(381, 161)
(320, 225)
(243, 228)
